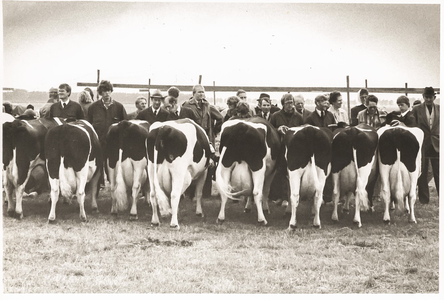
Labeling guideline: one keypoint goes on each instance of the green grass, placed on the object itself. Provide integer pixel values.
(114, 255)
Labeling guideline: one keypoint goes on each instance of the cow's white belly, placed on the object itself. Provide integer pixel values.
(241, 179)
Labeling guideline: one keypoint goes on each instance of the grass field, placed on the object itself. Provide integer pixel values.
(114, 255)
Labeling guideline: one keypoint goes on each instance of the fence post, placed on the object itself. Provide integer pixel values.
(366, 83)
(149, 94)
(200, 79)
(98, 81)
(348, 98)
(214, 92)
(406, 89)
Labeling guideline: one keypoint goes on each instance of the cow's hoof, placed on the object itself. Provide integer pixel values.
(174, 227)
(247, 210)
(95, 210)
(11, 213)
(133, 217)
(413, 221)
(200, 215)
(359, 224)
(262, 223)
(19, 216)
(52, 221)
(292, 227)
(387, 222)
(154, 224)
(114, 213)
(317, 226)
(345, 211)
(220, 221)
(83, 219)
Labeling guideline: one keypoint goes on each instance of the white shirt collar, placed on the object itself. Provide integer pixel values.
(66, 102)
(404, 113)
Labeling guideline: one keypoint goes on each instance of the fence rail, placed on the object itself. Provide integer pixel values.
(210, 88)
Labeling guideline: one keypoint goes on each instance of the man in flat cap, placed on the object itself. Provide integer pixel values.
(266, 97)
(427, 118)
(154, 113)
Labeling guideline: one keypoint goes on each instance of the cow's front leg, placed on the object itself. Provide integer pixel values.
(9, 190)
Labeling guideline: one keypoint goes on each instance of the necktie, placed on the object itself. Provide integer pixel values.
(155, 112)
(177, 113)
(322, 114)
(64, 105)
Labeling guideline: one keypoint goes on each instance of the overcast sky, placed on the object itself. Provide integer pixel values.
(250, 44)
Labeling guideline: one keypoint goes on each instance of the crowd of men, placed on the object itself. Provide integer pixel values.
(328, 112)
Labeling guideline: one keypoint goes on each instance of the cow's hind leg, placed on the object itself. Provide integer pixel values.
(55, 191)
(9, 187)
(295, 186)
(81, 178)
(198, 193)
(335, 196)
(137, 178)
(94, 186)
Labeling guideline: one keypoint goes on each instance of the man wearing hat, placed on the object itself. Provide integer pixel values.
(266, 97)
(427, 118)
(154, 113)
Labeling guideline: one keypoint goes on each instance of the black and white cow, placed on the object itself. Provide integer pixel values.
(308, 155)
(178, 154)
(354, 168)
(23, 150)
(399, 155)
(73, 159)
(249, 150)
(127, 163)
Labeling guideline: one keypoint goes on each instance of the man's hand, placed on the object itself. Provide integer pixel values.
(282, 129)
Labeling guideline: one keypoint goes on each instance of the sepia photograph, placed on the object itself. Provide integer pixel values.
(206, 148)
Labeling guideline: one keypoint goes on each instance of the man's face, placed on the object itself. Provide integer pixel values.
(372, 107)
(403, 107)
(53, 94)
(299, 104)
(106, 95)
(363, 98)
(63, 94)
(428, 99)
(322, 105)
(266, 106)
(200, 93)
(243, 96)
(141, 105)
(288, 105)
(156, 103)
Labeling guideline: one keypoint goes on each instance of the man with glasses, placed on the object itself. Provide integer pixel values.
(362, 94)
(370, 115)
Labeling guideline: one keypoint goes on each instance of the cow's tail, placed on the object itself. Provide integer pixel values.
(223, 186)
(399, 193)
(361, 192)
(120, 192)
(162, 199)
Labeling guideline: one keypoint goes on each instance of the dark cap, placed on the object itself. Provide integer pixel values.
(429, 91)
(263, 95)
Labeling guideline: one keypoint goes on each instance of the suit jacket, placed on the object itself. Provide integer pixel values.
(268, 117)
(101, 118)
(431, 133)
(305, 114)
(184, 112)
(72, 110)
(315, 120)
(354, 114)
(288, 119)
(148, 115)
